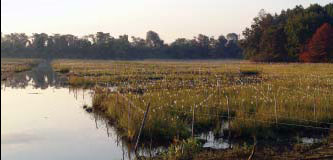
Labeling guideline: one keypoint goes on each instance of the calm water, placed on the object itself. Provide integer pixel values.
(42, 121)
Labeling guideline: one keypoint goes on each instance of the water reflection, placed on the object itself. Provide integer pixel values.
(127, 147)
(42, 118)
(18, 138)
(41, 77)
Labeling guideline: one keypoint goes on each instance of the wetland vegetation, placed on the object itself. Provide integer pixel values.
(235, 100)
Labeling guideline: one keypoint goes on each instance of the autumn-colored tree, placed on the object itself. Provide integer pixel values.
(320, 46)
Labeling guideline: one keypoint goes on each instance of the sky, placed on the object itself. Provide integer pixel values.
(170, 18)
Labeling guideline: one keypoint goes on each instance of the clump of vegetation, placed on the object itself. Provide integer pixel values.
(64, 70)
(80, 82)
(249, 72)
(184, 150)
(125, 117)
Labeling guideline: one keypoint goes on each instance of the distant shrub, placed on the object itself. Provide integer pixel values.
(64, 70)
(249, 72)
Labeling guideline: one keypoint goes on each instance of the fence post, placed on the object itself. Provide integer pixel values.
(96, 122)
(123, 108)
(142, 125)
(129, 115)
(314, 108)
(107, 128)
(276, 118)
(229, 136)
(228, 111)
(253, 149)
(193, 118)
(117, 98)
(331, 135)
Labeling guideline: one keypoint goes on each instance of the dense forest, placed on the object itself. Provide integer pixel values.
(104, 46)
(295, 35)
(299, 34)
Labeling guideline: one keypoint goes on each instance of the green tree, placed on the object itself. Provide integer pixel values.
(39, 40)
(153, 40)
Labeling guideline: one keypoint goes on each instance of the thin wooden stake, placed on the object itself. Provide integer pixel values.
(276, 118)
(128, 115)
(253, 149)
(141, 128)
(314, 108)
(107, 128)
(193, 118)
(331, 135)
(229, 136)
(228, 111)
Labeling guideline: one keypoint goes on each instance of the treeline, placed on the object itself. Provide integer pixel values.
(104, 46)
(299, 34)
(295, 35)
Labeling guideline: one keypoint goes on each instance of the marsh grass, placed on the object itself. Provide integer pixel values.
(262, 98)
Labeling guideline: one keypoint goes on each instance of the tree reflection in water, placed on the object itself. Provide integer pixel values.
(40, 77)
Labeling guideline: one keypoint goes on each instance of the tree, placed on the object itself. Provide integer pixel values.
(39, 41)
(14, 42)
(300, 27)
(232, 37)
(320, 48)
(182, 48)
(282, 37)
(153, 40)
(329, 11)
(102, 38)
(220, 49)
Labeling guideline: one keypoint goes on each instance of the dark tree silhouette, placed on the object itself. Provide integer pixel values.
(103, 46)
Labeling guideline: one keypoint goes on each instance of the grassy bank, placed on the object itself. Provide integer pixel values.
(12, 66)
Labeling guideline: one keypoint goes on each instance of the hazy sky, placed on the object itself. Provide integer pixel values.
(170, 18)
